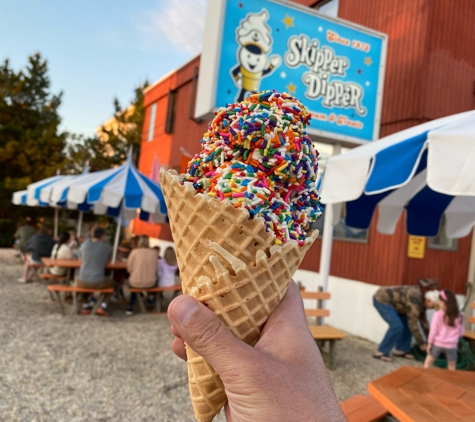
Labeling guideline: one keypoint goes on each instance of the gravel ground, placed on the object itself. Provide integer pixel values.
(77, 368)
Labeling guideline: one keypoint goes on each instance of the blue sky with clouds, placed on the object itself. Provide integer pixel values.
(100, 49)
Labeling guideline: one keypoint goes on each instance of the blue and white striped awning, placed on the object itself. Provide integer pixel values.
(19, 198)
(427, 170)
(123, 188)
(34, 191)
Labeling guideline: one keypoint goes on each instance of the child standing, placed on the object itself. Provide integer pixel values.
(445, 330)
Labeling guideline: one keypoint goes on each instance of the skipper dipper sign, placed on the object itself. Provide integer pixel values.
(334, 67)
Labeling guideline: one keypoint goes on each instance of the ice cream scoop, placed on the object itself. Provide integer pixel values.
(257, 155)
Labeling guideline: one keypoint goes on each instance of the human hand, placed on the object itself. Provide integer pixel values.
(428, 347)
(281, 378)
(423, 347)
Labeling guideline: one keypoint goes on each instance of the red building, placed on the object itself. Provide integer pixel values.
(430, 73)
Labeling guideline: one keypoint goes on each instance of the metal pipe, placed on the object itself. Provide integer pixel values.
(117, 233)
(78, 232)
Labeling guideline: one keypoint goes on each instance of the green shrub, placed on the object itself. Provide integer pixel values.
(7, 230)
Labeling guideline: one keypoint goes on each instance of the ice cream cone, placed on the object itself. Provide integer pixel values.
(230, 263)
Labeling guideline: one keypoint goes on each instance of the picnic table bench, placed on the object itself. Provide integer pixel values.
(413, 394)
(36, 268)
(361, 408)
(57, 289)
(322, 333)
(156, 292)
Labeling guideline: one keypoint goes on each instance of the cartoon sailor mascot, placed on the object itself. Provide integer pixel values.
(254, 38)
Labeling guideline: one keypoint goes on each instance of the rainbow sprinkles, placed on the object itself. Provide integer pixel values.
(257, 155)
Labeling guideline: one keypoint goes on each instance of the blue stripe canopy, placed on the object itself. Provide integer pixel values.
(426, 170)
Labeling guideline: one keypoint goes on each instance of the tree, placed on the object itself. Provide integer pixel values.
(111, 145)
(31, 144)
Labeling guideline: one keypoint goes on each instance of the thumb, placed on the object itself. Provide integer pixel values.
(206, 334)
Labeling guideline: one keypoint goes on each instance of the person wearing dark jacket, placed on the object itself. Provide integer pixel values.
(40, 245)
(23, 234)
(403, 308)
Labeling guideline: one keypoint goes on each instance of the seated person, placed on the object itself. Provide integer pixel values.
(73, 243)
(24, 232)
(40, 246)
(95, 255)
(61, 251)
(167, 270)
(142, 267)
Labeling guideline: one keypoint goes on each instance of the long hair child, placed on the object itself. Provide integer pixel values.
(446, 328)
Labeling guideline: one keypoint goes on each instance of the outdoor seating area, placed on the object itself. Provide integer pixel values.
(82, 364)
(277, 225)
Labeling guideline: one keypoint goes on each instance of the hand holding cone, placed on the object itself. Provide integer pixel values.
(231, 264)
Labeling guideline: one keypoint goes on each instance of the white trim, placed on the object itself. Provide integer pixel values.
(209, 63)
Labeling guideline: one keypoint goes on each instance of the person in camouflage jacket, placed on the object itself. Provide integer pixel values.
(403, 308)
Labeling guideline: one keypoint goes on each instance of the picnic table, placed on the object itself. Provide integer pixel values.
(421, 395)
(76, 263)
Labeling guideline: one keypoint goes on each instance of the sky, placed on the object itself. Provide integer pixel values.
(100, 49)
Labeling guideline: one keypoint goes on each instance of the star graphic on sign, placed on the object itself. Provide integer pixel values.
(283, 75)
(240, 5)
(288, 21)
(367, 83)
(367, 61)
(320, 29)
(291, 88)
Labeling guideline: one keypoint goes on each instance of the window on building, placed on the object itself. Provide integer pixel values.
(329, 7)
(170, 111)
(441, 241)
(151, 125)
(342, 231)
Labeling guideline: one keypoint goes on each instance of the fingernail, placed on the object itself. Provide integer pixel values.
(184, 308)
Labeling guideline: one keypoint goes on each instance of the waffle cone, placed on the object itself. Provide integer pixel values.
(231, 264)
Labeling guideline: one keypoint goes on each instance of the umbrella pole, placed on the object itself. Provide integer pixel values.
(78, 232)
(327, 241)
(56, 217)
(117, 234)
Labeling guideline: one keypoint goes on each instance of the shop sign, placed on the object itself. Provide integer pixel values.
(416, 247)
(335, 67)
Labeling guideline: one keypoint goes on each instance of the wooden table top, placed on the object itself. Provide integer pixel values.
(76, 263)
(426, 395)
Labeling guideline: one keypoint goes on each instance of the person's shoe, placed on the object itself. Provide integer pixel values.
(102, 312)
(86, 311)
(22, 280)
(129, 312)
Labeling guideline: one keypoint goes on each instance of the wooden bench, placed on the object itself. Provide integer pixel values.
(59, 288)
(157, 292)
(49, 276)
(470, 334)
(322, 333)
(56, 278)
(361, 408)
(37, 268)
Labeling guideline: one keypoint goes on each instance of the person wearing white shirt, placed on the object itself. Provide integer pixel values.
(61, 250)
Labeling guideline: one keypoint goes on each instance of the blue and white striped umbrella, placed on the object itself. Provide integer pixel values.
(123, 189)
(19, 198)
(427, 170)
(34, 191)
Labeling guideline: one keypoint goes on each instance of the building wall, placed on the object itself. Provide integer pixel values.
(430, 73)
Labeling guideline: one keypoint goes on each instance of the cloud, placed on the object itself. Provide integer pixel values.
(177, 22)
